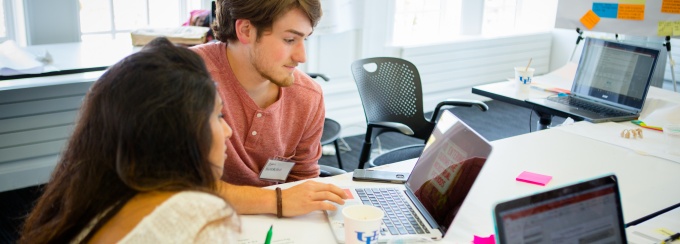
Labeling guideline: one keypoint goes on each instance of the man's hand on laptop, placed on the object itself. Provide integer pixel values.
(311, 196)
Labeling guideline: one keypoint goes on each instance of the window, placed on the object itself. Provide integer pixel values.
(430, 21)
(423, 21)
(518, 16)
(113, 19)
(5, 20)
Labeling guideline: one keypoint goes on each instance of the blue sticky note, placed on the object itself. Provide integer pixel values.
(606, 10)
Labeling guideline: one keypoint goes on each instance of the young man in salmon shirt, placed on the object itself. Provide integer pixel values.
(275, 110)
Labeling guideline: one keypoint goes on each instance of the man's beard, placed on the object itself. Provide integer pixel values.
(282, 82)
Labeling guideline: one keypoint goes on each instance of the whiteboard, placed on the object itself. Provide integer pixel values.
(654, 23)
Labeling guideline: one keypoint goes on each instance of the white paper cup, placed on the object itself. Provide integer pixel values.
(362, 224)
(523, 77)
(671, 135)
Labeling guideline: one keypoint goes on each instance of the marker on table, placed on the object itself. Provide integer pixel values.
(268, 239)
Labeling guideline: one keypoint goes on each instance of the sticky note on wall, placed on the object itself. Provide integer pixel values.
(631, 11)
(590, 19)
(606, 10)
(632, 1)
(665, 28)
(670, 6)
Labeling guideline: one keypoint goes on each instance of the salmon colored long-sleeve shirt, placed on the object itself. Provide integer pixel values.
(291, 127)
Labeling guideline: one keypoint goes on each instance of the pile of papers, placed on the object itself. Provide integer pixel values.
(185, 35)
(15, 61)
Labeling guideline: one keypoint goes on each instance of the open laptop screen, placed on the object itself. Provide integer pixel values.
(614, 72)
(447, 168)
(588, 212)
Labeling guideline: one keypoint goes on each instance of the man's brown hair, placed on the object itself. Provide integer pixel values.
(260, 13)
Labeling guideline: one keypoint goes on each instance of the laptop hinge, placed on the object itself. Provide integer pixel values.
(423, 211)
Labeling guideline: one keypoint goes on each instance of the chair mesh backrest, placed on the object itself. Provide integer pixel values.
(392, 92)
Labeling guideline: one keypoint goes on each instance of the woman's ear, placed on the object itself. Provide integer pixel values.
(245, 32)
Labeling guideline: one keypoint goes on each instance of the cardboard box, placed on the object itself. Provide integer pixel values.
(184, 35)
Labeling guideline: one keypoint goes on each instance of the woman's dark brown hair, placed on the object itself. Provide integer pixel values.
(260, 13)
(144, 126)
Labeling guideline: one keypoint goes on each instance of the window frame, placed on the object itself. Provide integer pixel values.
(113, 31)
(8, 11)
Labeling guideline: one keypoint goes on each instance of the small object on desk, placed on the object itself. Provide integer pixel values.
(484, 240)
(634, 132)
(268, 239)
(643, 125)
(542, 87)
(534, 178)
(672, 238)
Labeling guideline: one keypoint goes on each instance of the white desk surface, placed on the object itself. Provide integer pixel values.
(76, 56)
(647, 184)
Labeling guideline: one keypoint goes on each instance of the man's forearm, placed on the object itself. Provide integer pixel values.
(248, 199)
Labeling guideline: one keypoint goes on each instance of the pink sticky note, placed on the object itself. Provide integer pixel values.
(484, 240)
(534, 178)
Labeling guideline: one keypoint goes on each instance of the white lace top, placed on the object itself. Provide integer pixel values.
(186, 217)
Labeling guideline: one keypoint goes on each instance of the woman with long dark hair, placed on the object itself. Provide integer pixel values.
(144, 159)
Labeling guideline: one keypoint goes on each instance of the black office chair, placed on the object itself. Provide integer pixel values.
(392, 98)
(330, 134)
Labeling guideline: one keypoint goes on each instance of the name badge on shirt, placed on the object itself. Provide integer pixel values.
(276, 170)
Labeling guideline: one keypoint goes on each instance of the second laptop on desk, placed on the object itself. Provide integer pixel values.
(611, 83)
(429, 200)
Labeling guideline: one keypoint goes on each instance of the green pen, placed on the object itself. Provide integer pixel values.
(268, 239)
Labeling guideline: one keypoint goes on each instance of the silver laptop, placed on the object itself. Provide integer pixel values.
(585, 212)
(429, 200)
(611, 83)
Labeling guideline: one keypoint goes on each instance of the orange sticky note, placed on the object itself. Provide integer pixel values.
(590, 19)
(670, 6)
(631, 11)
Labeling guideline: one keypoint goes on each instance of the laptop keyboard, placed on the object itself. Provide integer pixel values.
(593, 107)
(400, 218)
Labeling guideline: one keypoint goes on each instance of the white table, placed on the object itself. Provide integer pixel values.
(647, 184)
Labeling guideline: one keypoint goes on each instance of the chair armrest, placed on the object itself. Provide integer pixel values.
(458, 102)
(398, 127)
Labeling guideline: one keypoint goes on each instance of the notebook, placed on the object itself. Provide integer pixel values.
(436, 188)
(611, 83)
(585, 212)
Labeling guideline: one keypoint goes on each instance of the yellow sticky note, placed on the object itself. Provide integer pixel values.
(664, 231)
(670, 6)
(665, 28)
(590, 19)
(676, 28)
(631, 11)
(632, 2)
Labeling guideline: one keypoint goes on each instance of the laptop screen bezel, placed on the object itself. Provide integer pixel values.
(592, 43)
(411, 192)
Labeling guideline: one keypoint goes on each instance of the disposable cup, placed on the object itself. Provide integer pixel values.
(671, 135)
(362, 224)
(523, 77)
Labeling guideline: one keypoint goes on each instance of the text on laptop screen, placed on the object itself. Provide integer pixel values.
(447, 169)
(590, 216)
(611, 71)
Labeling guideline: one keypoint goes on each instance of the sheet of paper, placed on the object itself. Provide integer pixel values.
(653, 142)
(656, 229)
(14, 60)
(310, 228)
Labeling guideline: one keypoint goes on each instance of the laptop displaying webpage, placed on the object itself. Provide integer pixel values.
(615, 72)
(590, 216)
